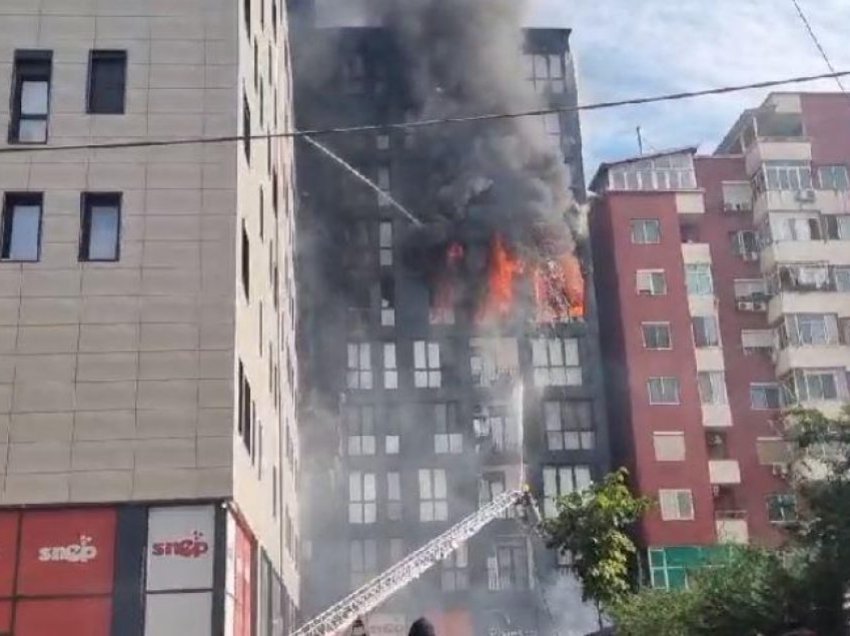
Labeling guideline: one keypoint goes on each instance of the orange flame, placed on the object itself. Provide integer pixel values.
(504, 268)
(559, 289)
(443, 303)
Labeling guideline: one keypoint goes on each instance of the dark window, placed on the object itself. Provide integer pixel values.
(256, 65)
(246, 127)
(246, 8)
(275, 194)
(246, 262)
(387, 301)
(781, 508)
(656, 335)
(100, 227)
(274, 18)
(107, 82)
(21, 227)
(30, 97)
(262, 213)
(262, 13)
(246, 410)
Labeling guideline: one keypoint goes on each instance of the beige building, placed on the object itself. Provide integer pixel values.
(146, 294)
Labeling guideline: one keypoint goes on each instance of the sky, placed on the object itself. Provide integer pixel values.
(635, 48)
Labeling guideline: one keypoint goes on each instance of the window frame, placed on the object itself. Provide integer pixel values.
(429, 376)
(702, 319)
(771, 501)
(676, 492)
(656, 324)
(701, 273)
(364, 372)
(29, 66)
(556, 475)
(88, 201)
(650, 275)
(12, 200)
(644, 238)
(663, 380)
(360, 419)
(358, 499)
(583, 436)
(448, 435)
(106, 55)
(436, 479)
(547, 373)
(679, 436)
(765, 386)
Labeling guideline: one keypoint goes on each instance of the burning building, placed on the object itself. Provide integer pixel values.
(442, 354)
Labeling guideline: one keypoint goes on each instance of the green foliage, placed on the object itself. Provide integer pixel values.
(590, 526)
(654, 612)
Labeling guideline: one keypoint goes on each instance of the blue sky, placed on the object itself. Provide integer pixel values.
(630, 48)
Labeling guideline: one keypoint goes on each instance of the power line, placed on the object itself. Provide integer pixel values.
(817, 43)
(423, 123)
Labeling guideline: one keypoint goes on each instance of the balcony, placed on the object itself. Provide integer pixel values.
(825, 201)
(802, 302)
(816, 251)
(693, 253)
(812, 357)
(732, 530)
(716, 416)
(724, 472)
(776, 149)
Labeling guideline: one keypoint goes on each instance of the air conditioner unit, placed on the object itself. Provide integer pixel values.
(805, 196)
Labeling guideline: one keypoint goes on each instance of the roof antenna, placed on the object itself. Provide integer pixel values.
(640, 140)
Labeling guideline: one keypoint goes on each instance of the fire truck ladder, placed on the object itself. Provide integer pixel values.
(370, 595)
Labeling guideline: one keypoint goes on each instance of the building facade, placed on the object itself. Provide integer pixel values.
(147, 320)
(725, 297)
(415, 414)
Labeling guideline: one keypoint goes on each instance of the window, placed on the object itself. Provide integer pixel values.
(800, 226)
(781, 508)
(100, 227)
(385, 243)
(670, 172)
(363, 561)
(669, 446)
(394, 496)
(833, 178)
(262, 212)
(426, 363)
(390, 366)
(757, 341)
(819, 385)
(107, 82)
(246, 13)
(30, 97)
(569, 425)
(562, 480)
(712, 387)
(745, 244)
(454, 575)
(246, 409)
(801, 277)
(274, 18)
(257, 72)
(246, 127)
(646, 231)
(433, 505)
(663, 390)
(750, 289)
(396, 550)
(359, 374)
(706, 333)
(383, 183)
(493, 361)
(698, 279)
(552, 129)
(382, 142)
(651, 282)
(764, 396)
(676, 505)
(656, 335)
(495, 431)
(837, 227)
(556, 362)
(360, 425)
(802, 330)
(841, 276)
(507, 566)
(392, 439)
(545, 72)
(784, 175)
(361, 497)
(21, 227)
(447, 435)
(490, 486)
(387, 301)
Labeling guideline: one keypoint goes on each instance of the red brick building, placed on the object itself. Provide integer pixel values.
(724, 292)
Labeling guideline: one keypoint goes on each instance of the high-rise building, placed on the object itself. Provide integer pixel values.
(147, 353)
(441, 350)
(724, 295)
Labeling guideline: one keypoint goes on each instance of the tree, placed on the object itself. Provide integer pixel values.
(590, 526)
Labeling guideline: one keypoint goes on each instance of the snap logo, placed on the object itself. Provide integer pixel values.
(189, 548)
(81, 552)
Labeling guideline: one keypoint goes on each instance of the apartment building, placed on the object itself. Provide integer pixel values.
(415, 414)
(724, 297)
(147, 388)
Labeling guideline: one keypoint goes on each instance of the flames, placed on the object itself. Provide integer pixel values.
(556, 286)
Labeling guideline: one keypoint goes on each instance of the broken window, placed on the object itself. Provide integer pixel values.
(390, 366)
(454, 575)
(562, 480)
(387, 301)
(569, 425)
(359, 375)
(362, 507)
(493, 360)
(556, 362)
(360, 426)
(447, 435)
(394, 496)
(495, 430)
(546, 72)
(363, 561)
(490, 486)
(507, 566)
(426, 362)
(433, 503)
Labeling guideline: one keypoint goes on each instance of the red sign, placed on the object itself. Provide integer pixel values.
(243, 574)
(67, 552)
(69, 617)
(8, 551)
